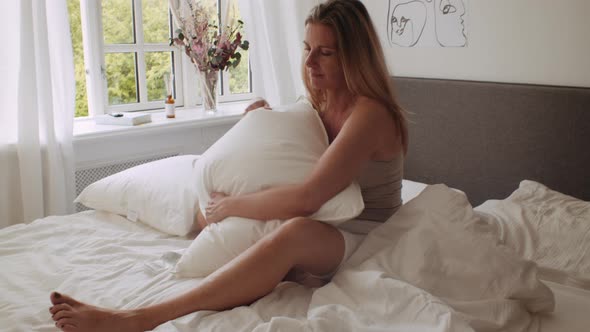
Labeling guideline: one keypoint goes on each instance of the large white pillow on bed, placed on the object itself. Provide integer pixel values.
(545, 226)
(160, 194)
(265, 149)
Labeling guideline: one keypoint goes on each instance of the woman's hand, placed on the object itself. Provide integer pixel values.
(256, 104)
(217, 208)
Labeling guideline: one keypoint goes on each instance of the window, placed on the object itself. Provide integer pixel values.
(122, 54)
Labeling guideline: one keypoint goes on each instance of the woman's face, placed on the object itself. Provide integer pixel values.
(321, 58)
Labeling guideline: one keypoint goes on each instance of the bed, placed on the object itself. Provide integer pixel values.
(108, 260)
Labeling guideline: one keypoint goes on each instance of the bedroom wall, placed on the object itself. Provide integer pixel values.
(517, 41)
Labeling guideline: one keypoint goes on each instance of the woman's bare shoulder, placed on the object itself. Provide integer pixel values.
(379, 124)
(371, 110)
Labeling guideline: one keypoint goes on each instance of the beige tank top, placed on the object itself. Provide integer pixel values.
(381, 187)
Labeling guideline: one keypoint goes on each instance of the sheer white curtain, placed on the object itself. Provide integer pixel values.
(275, 30)
(36, 111)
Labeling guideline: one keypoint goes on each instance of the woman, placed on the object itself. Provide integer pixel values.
(347, 81)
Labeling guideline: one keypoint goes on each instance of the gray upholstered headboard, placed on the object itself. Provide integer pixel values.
(484, 138)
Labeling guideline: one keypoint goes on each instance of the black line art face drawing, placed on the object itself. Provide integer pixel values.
(406, 21)
(449, 24)
(432, 21)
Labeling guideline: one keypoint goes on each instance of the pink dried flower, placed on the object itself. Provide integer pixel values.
(200, 38)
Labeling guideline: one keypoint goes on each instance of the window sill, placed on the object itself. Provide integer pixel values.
(227, 113)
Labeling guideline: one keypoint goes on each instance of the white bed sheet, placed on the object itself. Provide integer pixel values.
(109, 261)
(572, 310)
(99, 257)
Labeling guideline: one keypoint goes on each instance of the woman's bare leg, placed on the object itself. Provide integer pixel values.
(310, 245)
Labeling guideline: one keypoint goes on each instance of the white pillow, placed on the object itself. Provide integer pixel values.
(160, 194)
(265, 149)
(545, 226)
(411, 189)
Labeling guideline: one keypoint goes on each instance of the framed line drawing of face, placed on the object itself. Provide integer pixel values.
(406, 22)
(449, 23)
(426, 23)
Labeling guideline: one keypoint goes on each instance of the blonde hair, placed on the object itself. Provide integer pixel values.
(361, 56)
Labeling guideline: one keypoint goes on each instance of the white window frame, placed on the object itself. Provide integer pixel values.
(227, 95)
(186, 82)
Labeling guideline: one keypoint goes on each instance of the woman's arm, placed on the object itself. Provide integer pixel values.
(359, 139)
(281, 202)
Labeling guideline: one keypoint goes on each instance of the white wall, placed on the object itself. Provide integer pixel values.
(520, 41)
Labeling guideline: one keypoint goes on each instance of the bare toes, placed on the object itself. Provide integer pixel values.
(65, 324)
(57, 298)
(62, 314)
(59, 307)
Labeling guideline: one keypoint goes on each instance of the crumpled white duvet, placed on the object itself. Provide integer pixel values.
(545, 226)
(429, 268)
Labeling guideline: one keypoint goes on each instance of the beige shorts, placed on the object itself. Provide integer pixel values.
(351, 243)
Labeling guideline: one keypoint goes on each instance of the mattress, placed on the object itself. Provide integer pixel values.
(109, 261)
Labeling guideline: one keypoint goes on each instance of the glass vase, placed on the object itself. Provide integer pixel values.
(208, 81)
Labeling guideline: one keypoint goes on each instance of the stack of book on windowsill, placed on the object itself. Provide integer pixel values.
(123, 119)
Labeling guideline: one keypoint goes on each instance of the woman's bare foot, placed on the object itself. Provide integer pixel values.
(73, 316)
